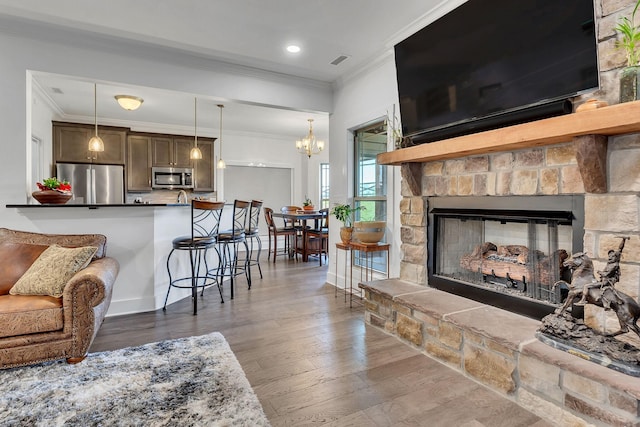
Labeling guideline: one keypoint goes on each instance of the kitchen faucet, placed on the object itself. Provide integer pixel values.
(182, 197)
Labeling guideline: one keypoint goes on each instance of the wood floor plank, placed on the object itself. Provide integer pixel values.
(312, 361)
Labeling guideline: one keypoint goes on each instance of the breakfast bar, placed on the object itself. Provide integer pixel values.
(138, 235)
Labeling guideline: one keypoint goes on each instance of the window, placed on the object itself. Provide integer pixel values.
(324, 185)
(371, 181)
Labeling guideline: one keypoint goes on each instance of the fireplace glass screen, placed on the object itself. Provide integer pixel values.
(505, 252)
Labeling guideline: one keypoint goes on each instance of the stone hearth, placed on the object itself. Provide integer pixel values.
(498, 348)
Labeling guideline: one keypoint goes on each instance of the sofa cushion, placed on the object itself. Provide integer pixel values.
(16, 260)
(49, 274)
(66, 240)
(21, 315)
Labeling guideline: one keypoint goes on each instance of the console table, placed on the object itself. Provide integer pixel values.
(366, 271)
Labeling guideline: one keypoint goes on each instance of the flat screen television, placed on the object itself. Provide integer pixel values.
(488, 64)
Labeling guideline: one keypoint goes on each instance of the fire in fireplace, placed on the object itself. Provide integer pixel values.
(504, 251)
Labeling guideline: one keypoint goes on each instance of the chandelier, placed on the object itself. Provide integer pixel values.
(309, 145)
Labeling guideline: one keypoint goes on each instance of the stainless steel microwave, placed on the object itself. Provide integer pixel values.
(172, 177)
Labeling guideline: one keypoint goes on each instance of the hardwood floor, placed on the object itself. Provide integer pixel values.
(312, 361)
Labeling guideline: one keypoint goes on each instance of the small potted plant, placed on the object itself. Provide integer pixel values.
(630, 43)
(307, 205)
(53, 191)
(345, 213)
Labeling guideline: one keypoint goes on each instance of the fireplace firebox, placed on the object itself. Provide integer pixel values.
(504, 251)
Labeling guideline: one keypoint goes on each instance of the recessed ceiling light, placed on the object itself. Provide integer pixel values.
(293, 48)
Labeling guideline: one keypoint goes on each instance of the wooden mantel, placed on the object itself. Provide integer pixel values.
(606, 121)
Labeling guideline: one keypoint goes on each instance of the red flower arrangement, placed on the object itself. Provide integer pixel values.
(54, 184)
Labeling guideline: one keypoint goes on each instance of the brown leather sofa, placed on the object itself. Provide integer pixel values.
(37, 328)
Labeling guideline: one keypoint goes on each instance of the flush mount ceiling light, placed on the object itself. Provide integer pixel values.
(221, 163)
(292, 48)
(309, 145)
(95, 143)
(129, 102)
(195, 153)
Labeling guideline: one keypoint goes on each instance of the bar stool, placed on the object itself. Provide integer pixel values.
(231, 239)
(253, 233)
(205, 221)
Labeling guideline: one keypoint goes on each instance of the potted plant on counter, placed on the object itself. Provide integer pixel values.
(630, 43)
(345, 213)
(53, 191)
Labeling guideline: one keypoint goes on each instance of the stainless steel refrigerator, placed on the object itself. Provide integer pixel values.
(93, 184)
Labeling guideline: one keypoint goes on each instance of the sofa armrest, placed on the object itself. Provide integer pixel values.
(98, 279)
(85, 301)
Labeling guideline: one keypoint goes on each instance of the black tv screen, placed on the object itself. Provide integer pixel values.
(488, 59)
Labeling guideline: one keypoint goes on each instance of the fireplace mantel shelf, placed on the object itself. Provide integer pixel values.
(606, 121)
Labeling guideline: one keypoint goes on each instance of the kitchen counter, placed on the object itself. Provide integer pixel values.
(139, 236)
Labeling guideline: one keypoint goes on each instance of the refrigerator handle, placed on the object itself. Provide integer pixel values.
(93, 185)
(88, 192)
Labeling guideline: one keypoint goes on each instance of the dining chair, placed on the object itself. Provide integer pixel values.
(205, 222)
(287, 221)
(229, 242)
(299, 226)
(317, 239)
(275, 232)
(252, 233)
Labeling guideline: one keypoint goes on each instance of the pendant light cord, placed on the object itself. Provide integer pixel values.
(95, 107)
(221, 107)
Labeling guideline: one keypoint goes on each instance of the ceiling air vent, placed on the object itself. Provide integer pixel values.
(339, 59)
(56, 90)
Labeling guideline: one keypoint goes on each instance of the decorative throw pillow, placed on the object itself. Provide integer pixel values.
(52, 270)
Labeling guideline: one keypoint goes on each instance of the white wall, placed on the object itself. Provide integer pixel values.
(361, 100)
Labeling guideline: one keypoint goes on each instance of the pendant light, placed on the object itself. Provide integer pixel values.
(95, 143)
(195, 153)
(221, 163)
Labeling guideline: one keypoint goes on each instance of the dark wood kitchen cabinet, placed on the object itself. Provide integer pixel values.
(204, 168)
(171, 152)
(70, 143)
(139, 163)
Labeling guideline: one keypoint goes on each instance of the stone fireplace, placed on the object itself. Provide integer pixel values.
(578, 195)
(551, 173)
(592, 159)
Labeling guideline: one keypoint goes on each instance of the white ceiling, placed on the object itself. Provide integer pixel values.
(247, 32)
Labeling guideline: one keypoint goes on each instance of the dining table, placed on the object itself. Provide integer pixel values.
(302, 217)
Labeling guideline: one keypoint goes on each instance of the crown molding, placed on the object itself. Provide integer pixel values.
(39, 91)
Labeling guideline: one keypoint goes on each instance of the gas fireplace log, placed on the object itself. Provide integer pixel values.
(512, 261)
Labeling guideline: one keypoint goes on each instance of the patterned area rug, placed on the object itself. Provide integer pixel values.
(195, 381)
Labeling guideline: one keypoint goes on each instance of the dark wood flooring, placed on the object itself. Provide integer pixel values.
(312, 361)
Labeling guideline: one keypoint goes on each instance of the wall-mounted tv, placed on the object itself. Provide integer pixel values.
(488, 64)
